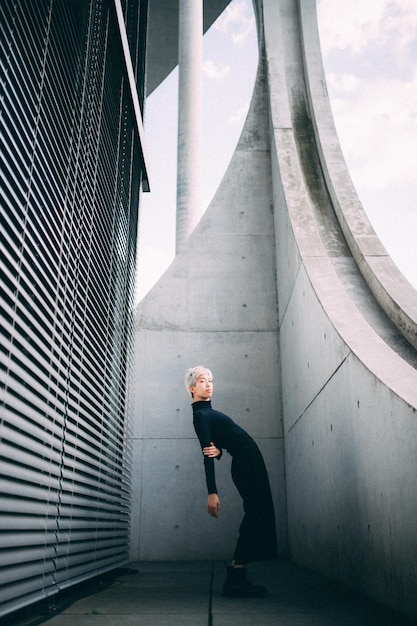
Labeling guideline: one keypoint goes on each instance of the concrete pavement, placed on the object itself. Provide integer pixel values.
(189, 593)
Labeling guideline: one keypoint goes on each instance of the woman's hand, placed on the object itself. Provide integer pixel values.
(211, 450)
(213, 505)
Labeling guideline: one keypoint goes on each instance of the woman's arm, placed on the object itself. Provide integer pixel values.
(203, 432)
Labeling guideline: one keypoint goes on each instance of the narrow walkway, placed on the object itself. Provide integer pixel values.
(189, 593)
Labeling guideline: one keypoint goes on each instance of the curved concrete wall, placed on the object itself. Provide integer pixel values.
(390, 288)
(349, 398)
(286, 293)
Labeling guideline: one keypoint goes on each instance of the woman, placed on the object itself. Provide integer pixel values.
(215, 430)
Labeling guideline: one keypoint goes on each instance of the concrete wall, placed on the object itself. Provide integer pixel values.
(349, 399)
(215, 305)
(287, 294)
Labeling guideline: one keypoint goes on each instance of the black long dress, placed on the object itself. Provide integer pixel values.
(257, 533)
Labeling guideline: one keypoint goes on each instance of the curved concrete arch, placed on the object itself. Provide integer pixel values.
(278, 290)
(344, 368)
(391, 289)
(337, 226)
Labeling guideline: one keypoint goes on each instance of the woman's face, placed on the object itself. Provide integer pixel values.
(203, 388)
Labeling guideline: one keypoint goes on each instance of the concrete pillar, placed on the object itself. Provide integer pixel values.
(190, 129)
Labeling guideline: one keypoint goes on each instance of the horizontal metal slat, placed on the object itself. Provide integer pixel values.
(66, 487)
(21, 540)
(24, 563)
(16, 461)
(25, 592)
(30, 523)
(76, 575)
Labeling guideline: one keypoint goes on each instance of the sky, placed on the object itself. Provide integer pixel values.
(370, 57)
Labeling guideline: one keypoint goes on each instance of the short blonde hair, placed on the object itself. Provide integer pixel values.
(193, 373)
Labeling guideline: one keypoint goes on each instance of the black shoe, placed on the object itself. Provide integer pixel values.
(238, 586)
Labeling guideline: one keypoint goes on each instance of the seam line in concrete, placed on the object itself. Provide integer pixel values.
(287, 304)
(319, 391)
(210, 606)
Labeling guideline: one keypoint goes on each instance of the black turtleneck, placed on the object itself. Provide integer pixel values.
(213, 426)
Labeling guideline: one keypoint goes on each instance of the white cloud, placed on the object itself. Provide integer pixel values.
(401, 22)
(239, 117)
(377, 127)
(236, 21)
(370, 55)
(358, 23)
(215, 71)
(373, 95)
(361, 24)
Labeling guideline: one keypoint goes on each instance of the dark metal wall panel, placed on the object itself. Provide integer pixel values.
(70, 175)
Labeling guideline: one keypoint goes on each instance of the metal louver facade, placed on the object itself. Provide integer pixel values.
(72, 163)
